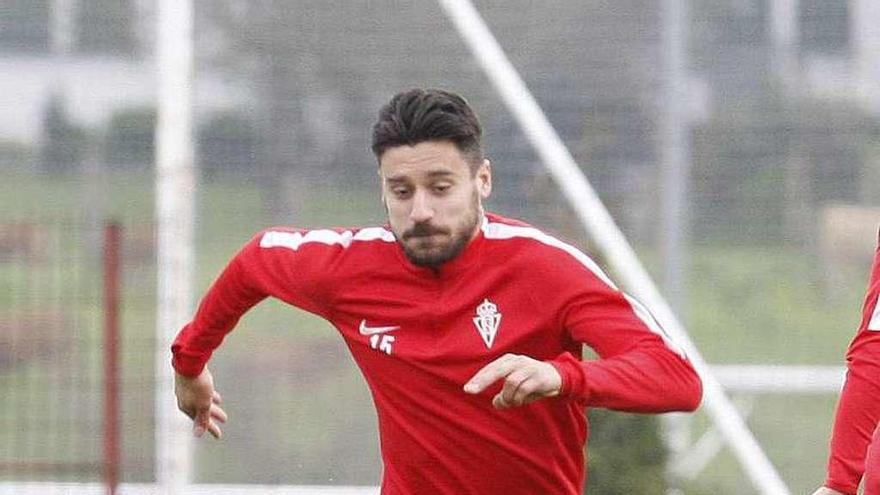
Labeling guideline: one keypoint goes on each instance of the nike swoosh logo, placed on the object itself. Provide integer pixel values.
(365, 330)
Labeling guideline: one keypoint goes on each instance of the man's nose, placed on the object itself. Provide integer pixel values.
(421, 208)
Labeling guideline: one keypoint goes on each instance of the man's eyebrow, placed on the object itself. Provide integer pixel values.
(440, 173)
(432, 174)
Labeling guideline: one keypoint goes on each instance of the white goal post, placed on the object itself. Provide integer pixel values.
(175, 217)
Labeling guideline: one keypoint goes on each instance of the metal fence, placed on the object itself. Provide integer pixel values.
(68, 374)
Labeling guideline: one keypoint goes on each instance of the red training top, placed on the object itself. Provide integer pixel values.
(419, 335)
(858, 411)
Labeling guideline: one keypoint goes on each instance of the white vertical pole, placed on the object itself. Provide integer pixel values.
(864, 20)
(61, 27)
(674, 174)
(784, 33)
(608, 237)
(175, 200)
(865, 40)
(674, 153)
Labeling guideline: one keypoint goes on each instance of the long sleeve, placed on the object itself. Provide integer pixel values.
(858, 410)
(280, 263)
(640, 369)
(230, 296)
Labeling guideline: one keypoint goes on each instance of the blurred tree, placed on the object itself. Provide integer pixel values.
(15, 154)
(24, 25)
(818, 149)
(105, 27)
(227, 142)
(130, 138)
(824, 26)
(64, 144)
(870, 178)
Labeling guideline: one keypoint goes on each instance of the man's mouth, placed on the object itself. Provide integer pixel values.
(423, 234)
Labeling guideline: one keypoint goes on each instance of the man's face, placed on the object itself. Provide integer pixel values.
(434, 202)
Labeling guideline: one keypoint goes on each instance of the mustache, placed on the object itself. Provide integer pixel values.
(422, 230)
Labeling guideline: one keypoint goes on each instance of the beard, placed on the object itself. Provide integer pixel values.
(429, 246)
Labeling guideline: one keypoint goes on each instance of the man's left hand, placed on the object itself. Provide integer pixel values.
(525, 380)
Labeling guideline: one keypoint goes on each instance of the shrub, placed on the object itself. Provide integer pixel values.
(626, 454)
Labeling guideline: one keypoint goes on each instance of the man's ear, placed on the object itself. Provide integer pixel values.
(484, 179)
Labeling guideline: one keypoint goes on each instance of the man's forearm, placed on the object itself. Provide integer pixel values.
(649, 380)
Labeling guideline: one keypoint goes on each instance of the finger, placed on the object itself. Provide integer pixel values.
(529, 391)
(523, 394)
(216, 398)
(512, 383)
(201, 422)
(214, 429)
(491, 373)
(218, 413)
(498, 402)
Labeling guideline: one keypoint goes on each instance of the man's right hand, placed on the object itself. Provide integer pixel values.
(197, 399)
(827, 491)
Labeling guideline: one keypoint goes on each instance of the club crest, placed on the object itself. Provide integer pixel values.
(487, 321)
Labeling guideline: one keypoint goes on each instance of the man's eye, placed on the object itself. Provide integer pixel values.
(400, 192)
(441, 188)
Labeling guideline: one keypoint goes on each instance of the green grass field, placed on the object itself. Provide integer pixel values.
(300, 413)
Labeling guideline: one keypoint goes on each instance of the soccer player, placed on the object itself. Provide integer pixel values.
(853, 452)
(467, 326)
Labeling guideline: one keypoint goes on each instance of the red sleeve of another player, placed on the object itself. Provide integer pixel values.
(638, 370)
(256, 272)
(859, 408)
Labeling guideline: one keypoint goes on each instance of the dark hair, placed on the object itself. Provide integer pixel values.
(419, 115)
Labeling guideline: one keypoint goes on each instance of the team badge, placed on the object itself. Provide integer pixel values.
(487, 320)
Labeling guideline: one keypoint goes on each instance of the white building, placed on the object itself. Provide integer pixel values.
(92, 82)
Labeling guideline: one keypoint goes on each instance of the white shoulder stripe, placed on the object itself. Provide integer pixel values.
(874, 324)
(293, 240)
(374, 233)
(494, 230)
(503, 231)
(642, 312)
